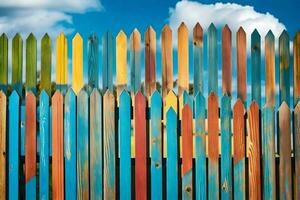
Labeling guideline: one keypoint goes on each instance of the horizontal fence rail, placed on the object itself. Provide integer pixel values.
(137, 137)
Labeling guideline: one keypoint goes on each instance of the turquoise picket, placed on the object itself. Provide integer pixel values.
(226, 161)
(44, 145)
(187, 99)
(125, 145)
(198, 59)
(93, 61)
(212, 59)
(256, 67)
(268, 153)
(172, 152)
(70, 144)
(96, 161)
(135, 62)
(107, 61)
(82, 145)
(200, 147)
(13, 147)
(156, 146)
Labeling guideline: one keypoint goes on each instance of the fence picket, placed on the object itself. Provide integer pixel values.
(93, 61)
(107, 60)
(46, 64)
(3, 131)
(198, 58)
(226, 61)
(61, 62)
(212, 59)
(31, 61)
(77, 63)
(296, 53)
(284, 68)
(3, 62)
(183, 58)
(297, 150)
(256, 67)
(135, 61)
(17, 63)
(270, 91)
(150, 61)
(121, 62)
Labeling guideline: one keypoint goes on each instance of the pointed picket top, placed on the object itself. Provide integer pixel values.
(121, 62)
(255, 32)
(124, 96)
(183, 58)
(46, 53)
(95, 92)
(296, 53)
(166, 29)
(30, 95)
(82, 94)
(61, 59)
(284, 35)
(253, 107)
(3, 60)
(212, 27)
(44, 95)
(155, 96)
(77, 63)
(171, 100)
(171, 112)
(14, 95)
(212, 97)
(225, 99)
(198, 35)
(93, 61)
(241, 31)
(135, 40)
(31, 37)
(108, 95)
(238, 105)
(199, 97)
(297, 108)
(57, 96)
(226, 29)
(270, 34)
(283, 108)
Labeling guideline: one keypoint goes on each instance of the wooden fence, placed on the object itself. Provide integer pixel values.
(142, 141)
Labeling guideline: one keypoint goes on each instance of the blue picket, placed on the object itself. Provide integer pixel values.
(212, 59)
(107, 60)
(256, 67)
(70, 144)
(198, 59)
(187, 100)
(156, 146)
(93, 61)
(172, 152)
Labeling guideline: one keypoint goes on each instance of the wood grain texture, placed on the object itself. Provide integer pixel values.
(61, 59)
(239, 150)
(167, 60)
(241, 71)
(254, 151)
(213, 146)
(212, 59)
(107, 61)
(30, 146)
(93, 61)
(140, 146)
(31, 63)
(77, 63)
(150, 61)
(46, 53)
(121, 62)
(256, 67)
(109, 146)
(17, 63)
(297, 151)
(198, 59)
(296, 53)
(183, 58)
(3, 113)
(3, 62)
(270, 91)
(226, 61)
(284, 68)
(135, 61)
(57, 146)
(285, 162)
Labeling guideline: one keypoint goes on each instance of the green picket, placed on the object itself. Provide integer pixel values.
(3, 62)
(17, 63)
(31, 60)
(46, 64)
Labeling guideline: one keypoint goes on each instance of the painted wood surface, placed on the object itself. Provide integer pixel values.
(241, 71)
(156, 146)
(297, 151)
(17, 63)
(77, 63)
(198, 59)
(31, 61)
(270, 91)
(212, 59)
(107, 61)
(284, 68)
(268, 153)
(96, 152)
(183, 58)
(213, 147)
(296, 53)
(13, 147)
(61, 60)
(141, 147)
(254, 151)
(172, 159)
(135, 61)
(285, 162)
(70, 152)
(57, 146)
(256, 67)
(30, 146)
(121, 62)
(109, 146)
(93, 61)
(200, 147)
(167, 60)
(46, 53)
(44, 150)
(226, 61)
(3, 131)
(150, 61)
(3, 62)
(226, 159)
(187, 152)
(239, 150)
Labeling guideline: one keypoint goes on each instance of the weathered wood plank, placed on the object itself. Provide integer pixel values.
(107, 61)
(241, 71)
(121, 62)
(183, 58)
(156, 146)
(226, 159)
(57, 146)
(256, 67)
(284, 68)
(77, 63)
(150, 61)
(135, 61)
(239, 150)
(30, 146)
(109, 146)
(187, 152)
(172, 158)
(46, 53)
(70, 145)
(226, 61)
(3, 63)
(3, 121)
(167, 60)
(17, 63)
(213, 147)
(254, 152)
(296, 50)
(270, 91)
(61, 62)
(198, 59)
(212, 59)
(297, 151)
(31, 60)
(268, 153)
(44, 128)
(96, 160)
(141, 147)
(93, 61)
(13, 147)
(285, 162)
